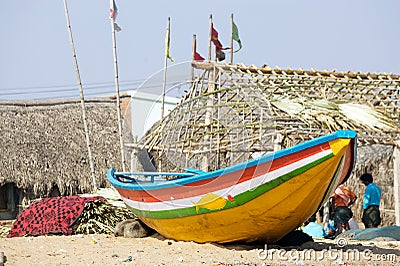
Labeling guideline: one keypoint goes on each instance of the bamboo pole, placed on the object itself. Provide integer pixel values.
(396, 181)
(194, 46)
(117, 94)
(219, 126)
(215, 54)
(208, 118)
(231, 49)
(78, 76)
(165, 73)
(193, 52)
(209, 39)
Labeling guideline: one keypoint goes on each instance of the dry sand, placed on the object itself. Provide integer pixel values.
(155, 250)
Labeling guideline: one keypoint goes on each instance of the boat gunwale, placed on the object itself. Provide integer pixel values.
(139, 185)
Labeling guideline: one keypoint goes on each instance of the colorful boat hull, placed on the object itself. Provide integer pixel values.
(261, 199)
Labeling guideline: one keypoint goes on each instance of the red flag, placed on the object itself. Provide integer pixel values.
(214, 39)
(197, 57)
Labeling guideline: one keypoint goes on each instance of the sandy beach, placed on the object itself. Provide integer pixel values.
(156, 250)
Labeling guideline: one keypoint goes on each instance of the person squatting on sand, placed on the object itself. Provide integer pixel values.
(372, 196)
(314, 229)
(341, 199)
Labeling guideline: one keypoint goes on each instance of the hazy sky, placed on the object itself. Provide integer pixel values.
(360, 35)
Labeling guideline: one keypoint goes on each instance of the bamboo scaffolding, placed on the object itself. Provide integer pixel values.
(229, 115)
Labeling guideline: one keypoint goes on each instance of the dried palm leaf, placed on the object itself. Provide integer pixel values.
(367, 116)
(324, 111)
(289, 106)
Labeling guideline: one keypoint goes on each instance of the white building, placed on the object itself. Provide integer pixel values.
(146, 110)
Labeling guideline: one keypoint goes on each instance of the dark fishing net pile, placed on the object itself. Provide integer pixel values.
(100, 217)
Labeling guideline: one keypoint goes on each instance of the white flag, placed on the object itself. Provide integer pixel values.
(113, 14)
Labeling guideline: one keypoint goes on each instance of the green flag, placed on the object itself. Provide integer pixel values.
(235, 36)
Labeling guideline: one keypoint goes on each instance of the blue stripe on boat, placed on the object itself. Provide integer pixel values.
(230, 169)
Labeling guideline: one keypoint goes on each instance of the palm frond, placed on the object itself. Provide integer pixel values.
(367, 116)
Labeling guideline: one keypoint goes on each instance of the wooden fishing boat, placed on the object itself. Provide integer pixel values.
(261, 199)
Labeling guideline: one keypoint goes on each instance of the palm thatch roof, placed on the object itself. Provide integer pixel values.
(43, 144)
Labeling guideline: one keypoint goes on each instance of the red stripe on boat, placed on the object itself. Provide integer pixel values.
(219, 182)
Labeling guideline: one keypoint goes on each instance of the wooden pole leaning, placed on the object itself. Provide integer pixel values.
(82, 98)
(117, 95)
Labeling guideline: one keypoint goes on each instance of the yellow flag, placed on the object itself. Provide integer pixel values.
(167, 41)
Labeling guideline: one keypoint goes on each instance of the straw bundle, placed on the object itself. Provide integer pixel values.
(4, 230)
(100, 217)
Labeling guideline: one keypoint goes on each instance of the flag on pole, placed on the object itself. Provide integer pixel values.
(235, 36)
(113, 14)
(197, 57)
(167, 41)
(215, 40)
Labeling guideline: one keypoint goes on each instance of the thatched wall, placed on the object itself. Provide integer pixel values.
(43, 145)
(377, 160)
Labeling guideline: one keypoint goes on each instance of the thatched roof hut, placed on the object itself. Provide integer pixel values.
(44, 149)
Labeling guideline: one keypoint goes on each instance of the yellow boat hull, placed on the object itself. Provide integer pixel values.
(259, 200)
(265, 218)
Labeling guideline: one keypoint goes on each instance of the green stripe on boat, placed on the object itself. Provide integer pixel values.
(239, 199)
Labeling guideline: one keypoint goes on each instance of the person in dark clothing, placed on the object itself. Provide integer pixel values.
(341, 199)
(372, 196)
